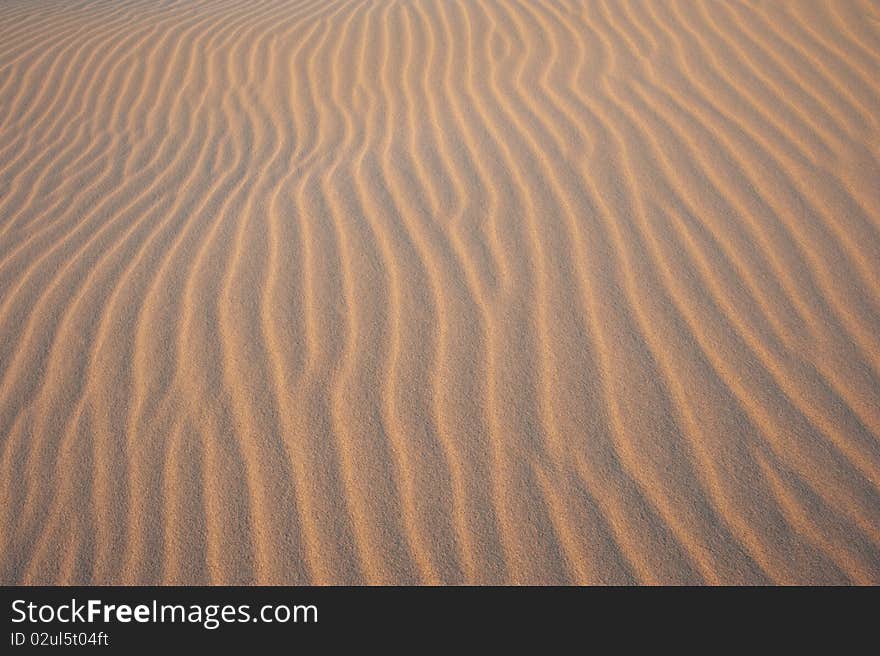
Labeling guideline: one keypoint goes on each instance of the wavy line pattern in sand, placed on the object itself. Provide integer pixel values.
(481, 291)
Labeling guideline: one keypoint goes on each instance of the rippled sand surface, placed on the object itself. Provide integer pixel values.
(485, 291)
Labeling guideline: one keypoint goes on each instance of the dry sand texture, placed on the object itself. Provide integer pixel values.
(529, 291)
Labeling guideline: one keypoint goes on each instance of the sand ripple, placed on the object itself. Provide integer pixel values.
(528, 291)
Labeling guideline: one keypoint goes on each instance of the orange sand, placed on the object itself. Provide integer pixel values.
(521, 291)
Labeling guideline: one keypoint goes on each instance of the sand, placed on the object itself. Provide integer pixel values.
(475, 291)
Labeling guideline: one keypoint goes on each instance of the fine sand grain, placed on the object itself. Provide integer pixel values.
(440, 291)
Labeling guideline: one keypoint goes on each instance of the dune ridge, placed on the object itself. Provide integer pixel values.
(454, 291)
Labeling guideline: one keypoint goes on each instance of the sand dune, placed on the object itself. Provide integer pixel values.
(484, 291)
